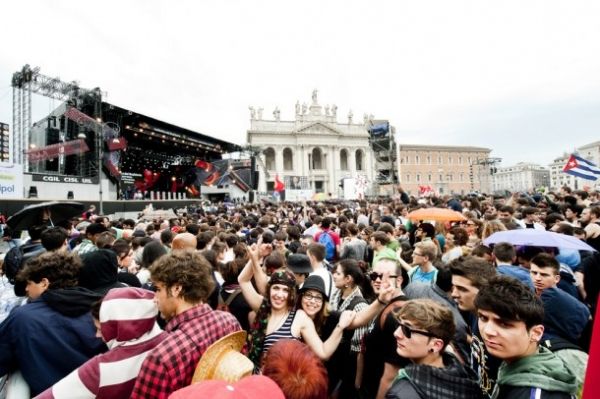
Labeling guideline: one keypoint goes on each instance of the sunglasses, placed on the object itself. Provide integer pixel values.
(374, 276)
(408, 331)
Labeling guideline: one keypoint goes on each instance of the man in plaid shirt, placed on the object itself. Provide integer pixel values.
(183, 283)
(92, 232)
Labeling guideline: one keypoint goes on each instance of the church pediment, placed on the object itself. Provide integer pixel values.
(318, 128)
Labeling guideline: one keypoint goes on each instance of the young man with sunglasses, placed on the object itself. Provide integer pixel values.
(510, 322)
(425, 328)
(381, 360)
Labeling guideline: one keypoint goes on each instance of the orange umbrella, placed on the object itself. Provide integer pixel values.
(437, 214)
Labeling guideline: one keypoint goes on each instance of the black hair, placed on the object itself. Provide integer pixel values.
(53, 238)
(511, 300)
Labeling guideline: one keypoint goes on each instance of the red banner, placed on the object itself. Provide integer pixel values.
(118, 143)
(55, 150)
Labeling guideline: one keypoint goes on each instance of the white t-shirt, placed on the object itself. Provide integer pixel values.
(327, 279)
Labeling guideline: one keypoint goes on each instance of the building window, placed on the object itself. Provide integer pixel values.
(344, 160)
(441, 178)
(359, 160)
(288, 159)
(429, 177)
(460, 160)
(418, 178)
(317, 158)
(462, 177)
(318, 186)
(450, 160)
(440, 159)
(469, 160)
(408, 177)
(429, 159)
(417, 159)
(269, 158)
(450, 177)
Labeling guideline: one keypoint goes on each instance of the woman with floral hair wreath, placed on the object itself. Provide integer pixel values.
(277, 317)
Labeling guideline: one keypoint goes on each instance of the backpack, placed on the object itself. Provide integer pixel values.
(223, 306)
(326, 240)
(12, 263)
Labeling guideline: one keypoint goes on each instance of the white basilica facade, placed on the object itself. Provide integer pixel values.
(314, 150)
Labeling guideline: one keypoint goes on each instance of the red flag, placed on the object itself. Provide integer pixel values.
(591, 389)
(279, 186)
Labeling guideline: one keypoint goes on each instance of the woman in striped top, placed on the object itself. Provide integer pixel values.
(277, 318)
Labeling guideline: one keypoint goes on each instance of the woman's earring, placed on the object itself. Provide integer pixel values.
(431, 350)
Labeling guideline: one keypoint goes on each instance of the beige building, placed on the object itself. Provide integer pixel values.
(445, 169)
(313, 152)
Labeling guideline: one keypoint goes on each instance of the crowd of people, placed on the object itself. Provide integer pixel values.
(339, 299)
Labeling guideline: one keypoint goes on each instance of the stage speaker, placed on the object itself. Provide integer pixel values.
(251, 196)
(32, 192)
(70, 195)
(254, 180)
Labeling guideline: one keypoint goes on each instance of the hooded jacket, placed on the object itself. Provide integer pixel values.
(541, 372)
(128, 325)
(564, 316)
(49, 337)
(100, 271)
(454, 381)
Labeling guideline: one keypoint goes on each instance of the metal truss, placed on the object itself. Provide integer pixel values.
(384, 152)
(27, 81)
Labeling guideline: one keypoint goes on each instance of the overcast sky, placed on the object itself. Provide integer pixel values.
(519, 77)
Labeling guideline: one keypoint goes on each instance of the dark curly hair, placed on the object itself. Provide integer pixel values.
(61, 269)
(188, 269)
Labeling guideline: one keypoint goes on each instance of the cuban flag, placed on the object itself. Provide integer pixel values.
(583, 168)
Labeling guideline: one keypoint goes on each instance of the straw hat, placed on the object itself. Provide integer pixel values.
(223, 360)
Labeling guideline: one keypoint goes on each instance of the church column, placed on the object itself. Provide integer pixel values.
(352, 161)
(262, 180)
(299, 160)
(368, 164)
(333, 169)
(279, 161)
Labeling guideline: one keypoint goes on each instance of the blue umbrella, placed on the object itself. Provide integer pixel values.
(537, 238)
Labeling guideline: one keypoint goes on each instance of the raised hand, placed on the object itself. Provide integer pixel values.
(253, 251)
(386, 291)
(346, 318)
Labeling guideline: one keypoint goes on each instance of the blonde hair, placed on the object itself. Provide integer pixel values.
(428, 248)
(490, 227)
(430, 316)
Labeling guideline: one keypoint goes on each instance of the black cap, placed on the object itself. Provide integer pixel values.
(299, 263)
(316, 283)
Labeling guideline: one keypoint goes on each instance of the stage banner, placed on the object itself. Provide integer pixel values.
(130, 178)
(65, 179)
(298, 195)
(55, 150)
(296, 183)
(11, 181)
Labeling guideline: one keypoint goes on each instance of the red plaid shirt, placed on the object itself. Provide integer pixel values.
(172, 363)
